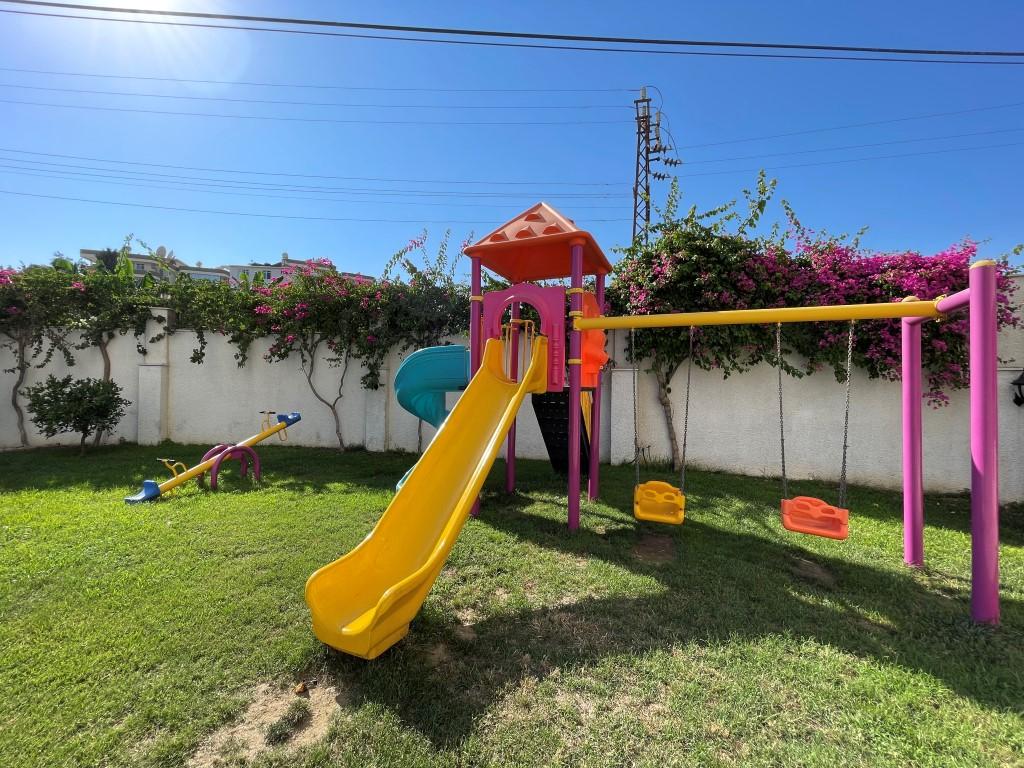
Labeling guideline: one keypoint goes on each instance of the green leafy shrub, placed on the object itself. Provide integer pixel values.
(75, 405)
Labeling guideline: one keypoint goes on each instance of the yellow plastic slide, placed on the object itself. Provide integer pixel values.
(362, 603)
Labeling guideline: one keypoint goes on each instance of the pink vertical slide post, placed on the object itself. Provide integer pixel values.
(593, 485)
(575, 349)
(513, 372)
(476, 307)
(984, 444)
(913, 475)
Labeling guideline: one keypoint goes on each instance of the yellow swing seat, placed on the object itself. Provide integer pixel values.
(659, 502)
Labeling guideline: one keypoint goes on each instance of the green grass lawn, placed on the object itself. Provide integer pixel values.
(130, 634)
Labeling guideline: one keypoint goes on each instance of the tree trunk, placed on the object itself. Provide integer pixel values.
(666, 407)
(81, 445)
(308, 369)
(106, 377)
(21, 351)
(419, 436)
(106, 358)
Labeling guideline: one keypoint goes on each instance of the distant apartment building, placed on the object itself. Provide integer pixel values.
(264, 271)
(283, 269)
(161, 264)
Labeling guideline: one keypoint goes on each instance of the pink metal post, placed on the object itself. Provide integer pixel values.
(984, 444)
(513, 370)
(958, 300)
(476, 303)
(913, 482)
(575, 306)
(593, 485)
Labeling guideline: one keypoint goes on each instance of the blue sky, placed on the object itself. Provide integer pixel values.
(924, 201)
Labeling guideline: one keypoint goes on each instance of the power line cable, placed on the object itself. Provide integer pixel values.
(287, 102)
(43, 173)
(323, 86)
(866, 124)
(468, 32)
(534, 46)
(263, 186)
(853, 160)
(319, 86)
(289, 119)
(254, 215)
(313, 175)
(341, 190)
(855, 146)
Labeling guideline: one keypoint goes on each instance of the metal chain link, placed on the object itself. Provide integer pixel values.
(782, 424)
(846, 417)
(686, 411)
(636, 425)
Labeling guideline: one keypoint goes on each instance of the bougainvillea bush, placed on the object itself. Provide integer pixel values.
(316, 311)
(709, 261)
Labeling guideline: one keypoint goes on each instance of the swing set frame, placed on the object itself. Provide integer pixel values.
(979, 299)
(541, 243)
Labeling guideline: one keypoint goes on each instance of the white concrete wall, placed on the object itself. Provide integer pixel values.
(734, 426)
(733, 422)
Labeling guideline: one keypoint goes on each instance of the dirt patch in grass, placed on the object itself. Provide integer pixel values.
(465, 633)
(438, 655)
(654, 549)
(247, 738)
(813, 572)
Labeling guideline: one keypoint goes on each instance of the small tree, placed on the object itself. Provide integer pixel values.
(75, 405)
(34, 317)
(108, 302)
(318, 310)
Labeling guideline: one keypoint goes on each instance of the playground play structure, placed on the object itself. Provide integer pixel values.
(363, 602)
(216, 456)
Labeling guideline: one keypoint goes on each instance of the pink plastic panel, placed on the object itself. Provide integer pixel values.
(550, 305)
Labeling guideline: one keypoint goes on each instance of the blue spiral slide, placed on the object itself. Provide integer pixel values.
(423, 379)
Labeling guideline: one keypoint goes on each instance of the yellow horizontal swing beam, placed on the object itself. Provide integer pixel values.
(886, 311)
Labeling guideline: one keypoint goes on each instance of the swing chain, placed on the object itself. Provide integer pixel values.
(782, 424)
(846, 416)
(636, 426)
(686, 412)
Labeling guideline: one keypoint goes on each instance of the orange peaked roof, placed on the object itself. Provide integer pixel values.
(535, 246)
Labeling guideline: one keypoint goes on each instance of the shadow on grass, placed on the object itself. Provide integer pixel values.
(729, 492)
(725, 587)
(120, 469)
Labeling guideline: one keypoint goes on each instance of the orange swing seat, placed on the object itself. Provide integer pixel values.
(659, 502)
(806, 514)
